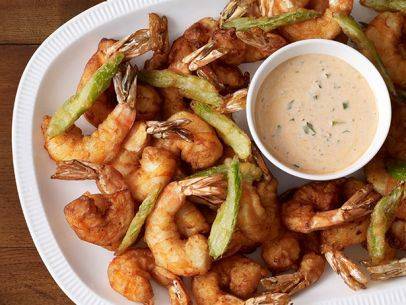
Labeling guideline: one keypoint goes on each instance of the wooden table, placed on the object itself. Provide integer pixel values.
(24, 24)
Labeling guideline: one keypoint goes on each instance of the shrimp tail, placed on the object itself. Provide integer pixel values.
(204, 186)
(76, 170)
(284, 283)
(352, 275)
(141, 41)
(203, 56)
(233, 10)
(132, 45)
(125, 85)
(387, 271)
(269, 299)
(364, 198)
(164, 130)
(235, 102)
(108, 179)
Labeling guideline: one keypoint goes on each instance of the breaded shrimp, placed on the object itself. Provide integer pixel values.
(185, 257)
(160, 43)
(101, 219)
(387, 31)
(313, 206)
(336, 239)
(258, 216)
(145, 168)
(239, 275)
(102, 145)
(310, 270)
(281, 253)
(394, 148)
(142, 41)
(127, 160)
(205, 149)
(226, 78)
(235, 48)
(324, 27)
(107, 100)
(190, 221)
(130, 274)
(156, 169)
(254, 220)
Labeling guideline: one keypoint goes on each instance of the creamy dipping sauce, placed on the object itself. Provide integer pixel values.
(316, 114)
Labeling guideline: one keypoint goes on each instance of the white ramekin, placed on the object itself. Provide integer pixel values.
(357, 61)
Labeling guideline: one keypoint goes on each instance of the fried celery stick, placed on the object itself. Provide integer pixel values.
(249, 171)
(190, 86)
(386, 5)
(138, 221)
(223, 226)
(352, 29)
(79, 103)
(270, 23)
(227, 129)
(381, 219)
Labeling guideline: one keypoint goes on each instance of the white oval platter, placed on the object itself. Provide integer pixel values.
(50, 77)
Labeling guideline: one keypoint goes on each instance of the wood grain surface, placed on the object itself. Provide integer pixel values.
(24, 24)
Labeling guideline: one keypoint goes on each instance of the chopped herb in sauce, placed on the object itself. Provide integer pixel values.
(292, 120)
(308, 128)
(315, 97)
(295, 165)
(346, 104)
(334, 123)
(290, 104)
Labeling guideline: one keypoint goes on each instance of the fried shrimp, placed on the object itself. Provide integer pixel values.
(336, 239)
(281, 253)
(386, 32)
(287, 252)
(310, 270)
(185, 257)
(235, 47)
(127, 160)
(237, 274)
(226, 78)
(256, 219)
(314, 206)
(378, 175)
(190, 221)
(324, 27)
(101, 219)
(156, 169)
(107, 100)
(141, 42)
(205, 148)
(130, 274)
(102, 145)
(258, 216)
